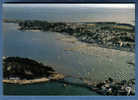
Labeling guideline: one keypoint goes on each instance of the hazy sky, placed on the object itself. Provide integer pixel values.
(73, 5)
(69, 0)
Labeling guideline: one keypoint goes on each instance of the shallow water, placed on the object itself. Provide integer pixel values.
(51, 88)
(48, 49)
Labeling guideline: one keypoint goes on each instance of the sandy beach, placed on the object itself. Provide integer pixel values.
(40, 80)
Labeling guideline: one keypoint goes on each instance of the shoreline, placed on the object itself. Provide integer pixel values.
(106, 88)
(40, 80)
(105, 34)
(92, 49)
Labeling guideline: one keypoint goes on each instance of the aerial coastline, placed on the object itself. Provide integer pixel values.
(73, 33)
(69, 50)
(85, 44)
(112, 35)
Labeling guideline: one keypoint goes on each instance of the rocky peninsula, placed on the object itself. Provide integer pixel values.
(105, 34)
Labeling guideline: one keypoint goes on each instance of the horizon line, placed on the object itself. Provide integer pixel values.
(111, 5)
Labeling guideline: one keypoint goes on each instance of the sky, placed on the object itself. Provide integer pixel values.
(73, 5)
(69, 0)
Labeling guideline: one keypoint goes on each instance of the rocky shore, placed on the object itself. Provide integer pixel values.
(17, 70)
(111, 87)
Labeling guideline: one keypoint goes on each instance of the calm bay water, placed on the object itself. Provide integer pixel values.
(46, 48)
(45, 89)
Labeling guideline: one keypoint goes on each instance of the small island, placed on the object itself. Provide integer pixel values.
(19, 70)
